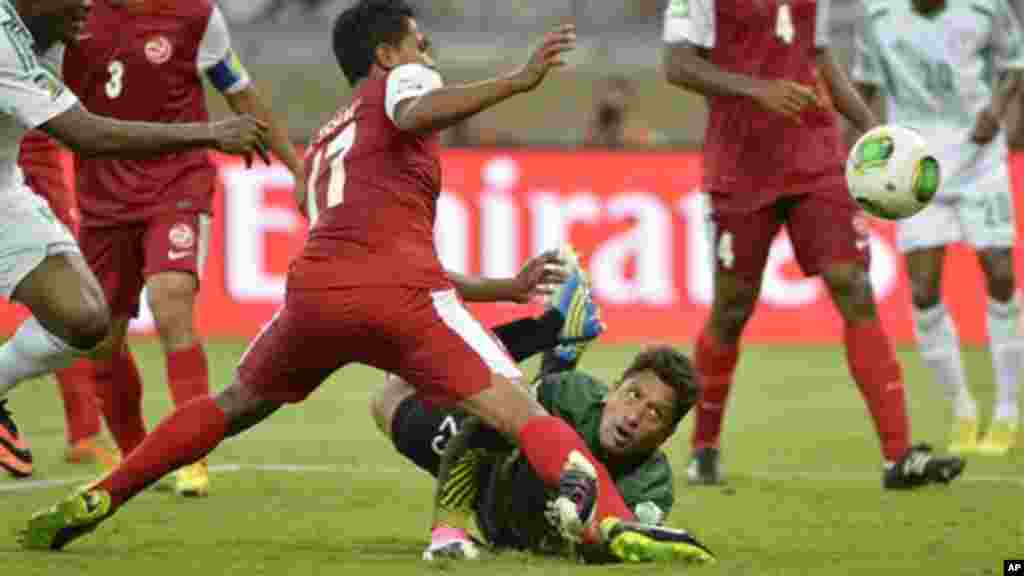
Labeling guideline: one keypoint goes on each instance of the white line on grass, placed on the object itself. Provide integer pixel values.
(356, 469)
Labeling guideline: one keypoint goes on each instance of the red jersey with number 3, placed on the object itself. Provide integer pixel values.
(753, 156)
(372, 193)
(141, 64)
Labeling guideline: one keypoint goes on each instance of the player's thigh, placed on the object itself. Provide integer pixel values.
(937, 225)
(314, 334)
(444, 352)
(740, 242)
(175, 245)
(421, 431)
(115, 256)
(826, 229)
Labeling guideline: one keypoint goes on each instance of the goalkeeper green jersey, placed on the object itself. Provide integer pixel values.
(513, 501)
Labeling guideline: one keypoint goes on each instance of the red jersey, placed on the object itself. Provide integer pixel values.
(40, 161)
(753, 156)
(144, 64)
(373, 193)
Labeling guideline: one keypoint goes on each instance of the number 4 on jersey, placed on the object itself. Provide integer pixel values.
(784, 29)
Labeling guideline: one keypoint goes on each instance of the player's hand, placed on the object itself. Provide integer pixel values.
(784, 97)
(242, 136)
(550, 54)
(540, 276)
(986, 126)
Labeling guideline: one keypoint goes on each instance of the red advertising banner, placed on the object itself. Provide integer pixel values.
(637, 219)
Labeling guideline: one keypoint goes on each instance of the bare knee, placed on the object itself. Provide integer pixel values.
(385, 401)
(171, 297)
(999, 275)
(88, 324)
(242, 407)
(731, 311)
(850, 288)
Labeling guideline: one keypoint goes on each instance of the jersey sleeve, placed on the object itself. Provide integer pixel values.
(409, 81)
(217, 60)
(821, 23)
(28, 91)
(867, 65)
(1007, 39)
(691, 21)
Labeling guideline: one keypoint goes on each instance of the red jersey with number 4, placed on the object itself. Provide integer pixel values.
(753, 156)
(141, 64)
(373, 193)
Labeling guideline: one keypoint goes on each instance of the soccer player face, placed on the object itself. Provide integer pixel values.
(637, 415)
(61, 19)
(415, 47)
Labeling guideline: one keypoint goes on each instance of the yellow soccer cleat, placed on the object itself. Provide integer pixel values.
(634, 542)
(193, 481)
(1001, 437)
(964, 436)
(67, 520)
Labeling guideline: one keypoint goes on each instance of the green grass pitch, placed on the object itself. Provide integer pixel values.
(316, 490)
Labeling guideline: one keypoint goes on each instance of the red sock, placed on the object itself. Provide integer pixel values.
(547, 441)
(119, 390)
(186, 374)
(78, 391)
(715, 364)
(873, 366)
(191, 432)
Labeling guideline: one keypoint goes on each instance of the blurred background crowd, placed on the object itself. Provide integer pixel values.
(613, 95)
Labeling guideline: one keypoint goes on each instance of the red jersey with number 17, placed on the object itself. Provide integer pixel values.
(753, 156)
(143, 63)
(372, 193)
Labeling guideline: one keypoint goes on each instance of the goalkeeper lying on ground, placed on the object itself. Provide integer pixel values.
(485, 477)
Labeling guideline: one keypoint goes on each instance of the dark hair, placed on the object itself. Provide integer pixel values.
(360, 29)
(674, 369)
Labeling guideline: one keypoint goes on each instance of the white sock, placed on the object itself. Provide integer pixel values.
(31, 352)
(939, 345)
(1007, 350)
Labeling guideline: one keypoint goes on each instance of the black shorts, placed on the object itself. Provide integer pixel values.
(421, 432)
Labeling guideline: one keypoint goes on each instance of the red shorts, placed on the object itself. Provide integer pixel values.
(428, 338)
(125, 256)
(823, 230)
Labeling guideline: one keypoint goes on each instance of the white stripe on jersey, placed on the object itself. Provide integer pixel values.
(456, 317)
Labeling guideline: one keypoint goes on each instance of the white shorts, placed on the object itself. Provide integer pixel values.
(29, 232)
(982, 216)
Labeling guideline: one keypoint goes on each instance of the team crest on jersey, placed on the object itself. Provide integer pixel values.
(182, 237)
(158, 49)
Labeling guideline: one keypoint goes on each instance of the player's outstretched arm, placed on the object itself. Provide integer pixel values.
(449, 105)
(540, 276)
(90, 135)
(846, 98)
(249, 102)
(686, 67)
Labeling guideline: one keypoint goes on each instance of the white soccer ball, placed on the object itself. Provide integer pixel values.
(891, 172)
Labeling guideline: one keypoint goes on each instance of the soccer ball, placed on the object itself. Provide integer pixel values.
(891, 173)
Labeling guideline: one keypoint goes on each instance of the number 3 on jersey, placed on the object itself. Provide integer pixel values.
(334, 153)
(784, 29)
(115, 84)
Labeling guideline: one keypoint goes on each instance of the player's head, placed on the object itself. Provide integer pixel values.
(379, 34)
(928, 6)
(54, 20)
(612, 99)
(657, 389)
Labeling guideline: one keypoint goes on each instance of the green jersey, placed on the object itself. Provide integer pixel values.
(938, 71)
(513, 501)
